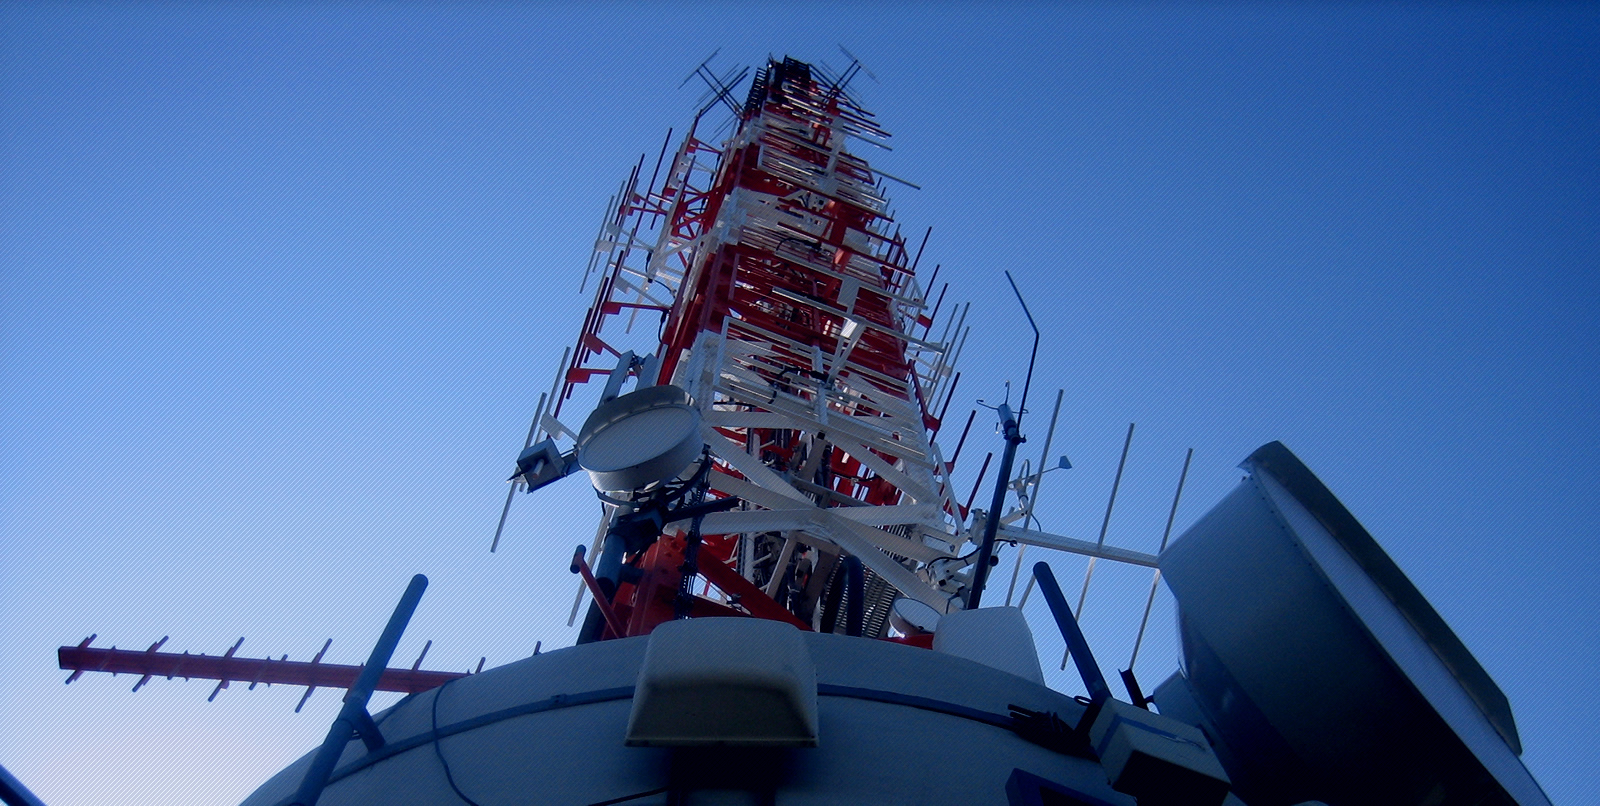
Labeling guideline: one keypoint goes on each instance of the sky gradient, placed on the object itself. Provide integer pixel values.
(281, 283)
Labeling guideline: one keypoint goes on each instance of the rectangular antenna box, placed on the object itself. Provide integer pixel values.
(1156, 759)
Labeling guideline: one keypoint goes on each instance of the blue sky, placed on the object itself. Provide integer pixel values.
(280, 285)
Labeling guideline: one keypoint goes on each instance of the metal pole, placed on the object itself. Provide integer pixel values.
(855, 595)
(1077, 647)
(1011, 425)
(992, 523)
(607, 572)
(353, 717)
(13, 793)
(1033, 495)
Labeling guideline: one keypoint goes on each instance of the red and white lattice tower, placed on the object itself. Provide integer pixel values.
(766, 278)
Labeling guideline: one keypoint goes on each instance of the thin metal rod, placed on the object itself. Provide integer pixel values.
(599, 545)
(1104, 525)
(1155, 580)
(1077, 647)
(956, 457)
(1016, 568)
(1028, 381)
(918, 259)
(976, 484)
(533, 428)
(949, 396)
(353, 717)
(561, 375)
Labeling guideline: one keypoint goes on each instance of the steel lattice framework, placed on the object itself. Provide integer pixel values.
(787, 304)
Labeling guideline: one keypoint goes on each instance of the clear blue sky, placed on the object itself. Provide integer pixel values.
(280, 285)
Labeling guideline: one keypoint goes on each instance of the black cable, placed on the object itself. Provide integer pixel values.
(439, 752)
(451, 778)
(626, 798)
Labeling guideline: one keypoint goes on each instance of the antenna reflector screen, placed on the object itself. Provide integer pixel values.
(640, 438)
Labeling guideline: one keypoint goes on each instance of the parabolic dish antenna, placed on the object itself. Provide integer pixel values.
(641, 438)
(1316, 665)
(912, 617)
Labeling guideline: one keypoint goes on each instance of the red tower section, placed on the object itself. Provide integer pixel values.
(786, 303)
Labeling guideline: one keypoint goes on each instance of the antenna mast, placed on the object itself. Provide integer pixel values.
(783, 300)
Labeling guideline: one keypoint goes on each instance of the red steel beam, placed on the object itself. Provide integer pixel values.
(751, 597)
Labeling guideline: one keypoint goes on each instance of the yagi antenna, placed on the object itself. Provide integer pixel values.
(858, 63)
(720, 88)
(699, 67)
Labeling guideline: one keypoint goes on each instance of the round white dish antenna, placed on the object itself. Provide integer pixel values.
(912, 617)
(640, 438)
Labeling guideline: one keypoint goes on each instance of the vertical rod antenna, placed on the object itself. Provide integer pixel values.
(1104, 525)
(533, 428)
(1155, 580)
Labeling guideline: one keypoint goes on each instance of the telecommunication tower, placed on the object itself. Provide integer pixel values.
(760, 379)
(765, 279)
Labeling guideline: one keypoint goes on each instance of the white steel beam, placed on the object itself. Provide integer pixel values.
(1073, 545)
